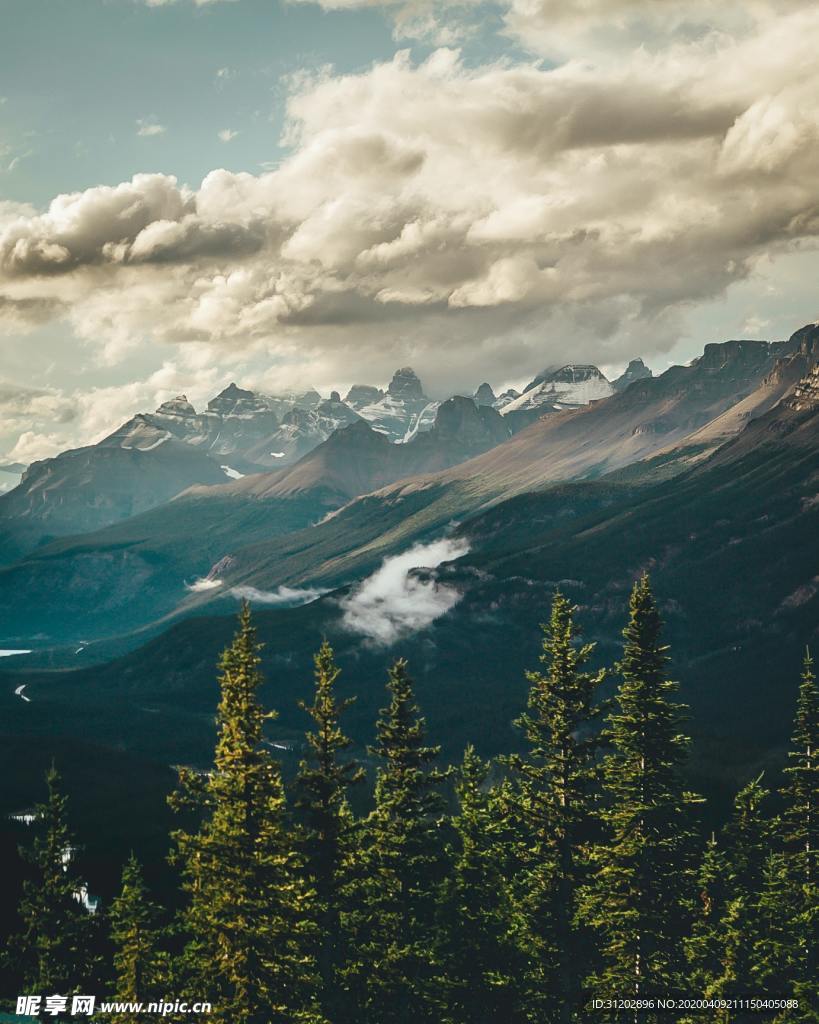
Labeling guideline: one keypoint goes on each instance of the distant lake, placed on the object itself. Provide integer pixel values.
(10, 654)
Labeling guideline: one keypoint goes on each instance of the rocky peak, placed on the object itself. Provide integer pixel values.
(179, 406)
(805, 394)
(485, 395)
(636, 370)
(405, 384)
(739, 354)
(360, 395)
(459, 419)
(575, 373)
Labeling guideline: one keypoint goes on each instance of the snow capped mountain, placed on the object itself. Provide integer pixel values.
(301, 430)
(403, 411)
(569, 387)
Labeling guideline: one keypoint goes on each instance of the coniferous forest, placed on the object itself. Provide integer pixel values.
(571, 882)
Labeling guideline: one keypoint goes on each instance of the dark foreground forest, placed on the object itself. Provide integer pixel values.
(571, 882)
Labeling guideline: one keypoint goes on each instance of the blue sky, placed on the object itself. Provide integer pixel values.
(78, 77)
(315, 193)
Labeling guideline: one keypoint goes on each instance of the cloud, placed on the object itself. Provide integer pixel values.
(441, 22)
(395, 601)
(149, 128)
(203, 585)
(571, 211)
(42, 422)
(283, 596)
(227, 135)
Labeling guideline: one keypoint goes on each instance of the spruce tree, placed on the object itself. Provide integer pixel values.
(704, 946)
(800, 818)
(747, 844)
(134, 932)
(555, 787)
(55, 947)
(395, 977)
(800, 834)
(483, 959)
(327, 827)
(641, 898)
(246, 917)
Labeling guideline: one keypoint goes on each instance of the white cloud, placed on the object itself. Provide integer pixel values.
(395, 601)
(203, 585)
(498, 206)
(283, 596)
(46, 422)
(227, 135)
(149, 127)
(32, 446)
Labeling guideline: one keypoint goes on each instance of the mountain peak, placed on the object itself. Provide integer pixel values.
(360, 395)
(636, 370)
(485, 395)
(235, 392)
(405, 384)
(179, 406)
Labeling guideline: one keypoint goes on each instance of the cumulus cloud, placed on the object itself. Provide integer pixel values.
(396, 601)
(42, 422)
(282, 596)
(590, 201)
(227, 135)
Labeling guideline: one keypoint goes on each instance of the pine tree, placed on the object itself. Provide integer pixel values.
(800, 834)
(800, 819)
(327, 826)
(555, 782)
(134, 931)
(704, 945)
(747, 844)
(642, 896)
(395, 975)
(55, 947)
(246, 916)
(484, 962)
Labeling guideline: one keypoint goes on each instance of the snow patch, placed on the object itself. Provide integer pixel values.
(394, 602)
(234, 474)
(11, 654)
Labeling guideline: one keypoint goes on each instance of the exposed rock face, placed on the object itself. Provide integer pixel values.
(302, 429)
(636, 370)
(506, 398)
(360, 395)
(485, 395)
(406, 385)
(403, 411)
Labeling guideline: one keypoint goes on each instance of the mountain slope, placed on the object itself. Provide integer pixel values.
(737, 617)
(138, 467)
(653, 417)
(136, 571)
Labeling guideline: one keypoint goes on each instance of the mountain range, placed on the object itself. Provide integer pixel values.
(153, 457)
(444, 547)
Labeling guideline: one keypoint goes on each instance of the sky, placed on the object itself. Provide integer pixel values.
(315, 192)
